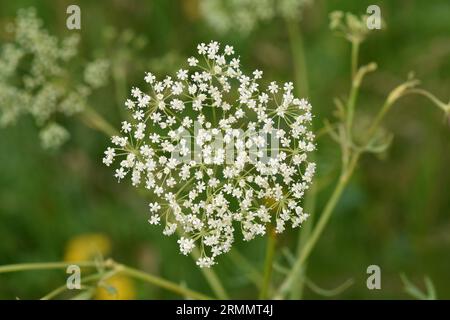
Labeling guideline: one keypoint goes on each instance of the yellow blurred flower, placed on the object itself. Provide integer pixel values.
(118, 287)
(86, 247)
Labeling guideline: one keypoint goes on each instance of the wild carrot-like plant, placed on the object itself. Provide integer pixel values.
(222, 153)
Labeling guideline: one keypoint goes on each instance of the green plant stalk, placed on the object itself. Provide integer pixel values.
(89, 278)
(44, 266)
(319, 227)
(389, 102)
(329, 292)
(214, 282)
(301, 77)
(380, 115)
(54, 293)
(212, 278)
(268, 264)
(351, 108)
(155, 280)
(354, 57)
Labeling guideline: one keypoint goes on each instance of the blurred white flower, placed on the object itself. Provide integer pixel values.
(53, 135)
(244, 15)
(36, 77)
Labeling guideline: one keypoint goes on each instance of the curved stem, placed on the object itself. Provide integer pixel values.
(407, 89)
(436, 101)
(268, 264)
(318, 228)
(115, 268)
(44, 266)
(301, 76)
(212, 278)
(63, 288)
(356, 83)
(329, 292)
(310, 207)
(160, 282)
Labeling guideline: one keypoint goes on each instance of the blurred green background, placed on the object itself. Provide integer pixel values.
(395, 212)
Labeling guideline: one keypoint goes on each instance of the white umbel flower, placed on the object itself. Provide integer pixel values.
(222, 152)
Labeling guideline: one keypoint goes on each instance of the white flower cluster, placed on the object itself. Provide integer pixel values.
(36, 77)
(244, 15)
(205, 195)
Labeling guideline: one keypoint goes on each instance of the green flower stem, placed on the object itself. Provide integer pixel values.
(356, 84)
(212, 278)
(268, 264)
(444, 107)
(351, 109)
(302, 86)
(98, 276)
(114, 266)
(54, 293)
(160, 282)
(354, 57)
(44, 266)
(310, 207)
(401, 91)
(318, 228)
(329, 292)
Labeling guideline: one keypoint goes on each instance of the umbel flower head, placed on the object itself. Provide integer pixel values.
(221, 153)
(36, 78)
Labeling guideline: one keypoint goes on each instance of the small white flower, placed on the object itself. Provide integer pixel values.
(149, 78)
(154, 207)
(186, 245)
(192, 62)
(126, 126)
(154, 219)
(120, 173)
(205, 262)
(182, 74)
(229, 50)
